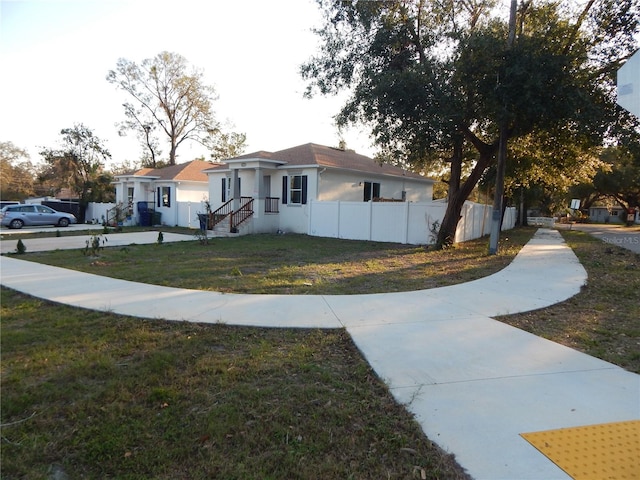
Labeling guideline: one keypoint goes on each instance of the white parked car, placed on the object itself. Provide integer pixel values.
(17, 216)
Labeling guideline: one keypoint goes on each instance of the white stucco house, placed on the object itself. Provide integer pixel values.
(309, 189)
(264, 192)
(171, 193)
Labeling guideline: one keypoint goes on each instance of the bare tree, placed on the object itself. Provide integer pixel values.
(145, 128)
(168, 97)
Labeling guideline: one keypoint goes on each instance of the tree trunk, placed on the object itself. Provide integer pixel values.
(499, 202)
(497, 214)
(447, 232)
(456, 199)
(523, 208)
(172, 152)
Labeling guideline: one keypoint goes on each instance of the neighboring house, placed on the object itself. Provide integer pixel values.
(269, 191)
(168, 192)
(614, 214)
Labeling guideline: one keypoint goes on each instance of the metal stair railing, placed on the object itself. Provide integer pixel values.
(223, 212)
(271, 204)
(118, 213)
(241, 215)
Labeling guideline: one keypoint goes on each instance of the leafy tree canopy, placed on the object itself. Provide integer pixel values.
(16, 171)
(434, 80)
(78, 164)
(621, 181)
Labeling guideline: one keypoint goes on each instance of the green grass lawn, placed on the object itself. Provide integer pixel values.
(96, 395)
(603, 320)
(292, 264)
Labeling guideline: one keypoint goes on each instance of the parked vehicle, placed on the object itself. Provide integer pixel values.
(17, 216)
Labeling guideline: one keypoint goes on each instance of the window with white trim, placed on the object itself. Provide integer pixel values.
(130, 200)
(227, 193)
(294, 189)
(164, 197)
(371, 191)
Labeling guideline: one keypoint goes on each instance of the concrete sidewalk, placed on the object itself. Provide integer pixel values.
(473, 383)
(9, 245)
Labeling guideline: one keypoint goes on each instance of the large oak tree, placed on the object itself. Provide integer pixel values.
(435, 80)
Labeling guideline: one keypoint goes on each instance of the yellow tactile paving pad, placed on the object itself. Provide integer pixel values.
(599, 452)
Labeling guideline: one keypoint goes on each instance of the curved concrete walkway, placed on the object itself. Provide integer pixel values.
(473, 383)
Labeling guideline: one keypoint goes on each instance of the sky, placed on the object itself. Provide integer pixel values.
(55, 56)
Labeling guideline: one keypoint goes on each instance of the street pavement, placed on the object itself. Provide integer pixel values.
(613, 234)
(474, 384)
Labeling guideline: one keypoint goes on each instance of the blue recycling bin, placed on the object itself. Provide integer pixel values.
(144, 214)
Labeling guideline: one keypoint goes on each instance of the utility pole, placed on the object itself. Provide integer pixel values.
(496, 214)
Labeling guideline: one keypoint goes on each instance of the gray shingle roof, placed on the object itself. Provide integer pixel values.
(330, 157)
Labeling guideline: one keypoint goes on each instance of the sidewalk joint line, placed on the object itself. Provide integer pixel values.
(506, 377)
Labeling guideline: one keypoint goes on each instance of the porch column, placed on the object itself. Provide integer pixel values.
(235, 191)
(258, 193)
(259, 184)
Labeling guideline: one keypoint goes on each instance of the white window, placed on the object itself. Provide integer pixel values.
(130, 200)
(371, 191)
(294, 189)
(227, 193)
(164, 197)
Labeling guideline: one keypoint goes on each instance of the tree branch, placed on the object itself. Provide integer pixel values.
(571, 39)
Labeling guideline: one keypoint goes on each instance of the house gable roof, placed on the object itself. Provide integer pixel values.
(329, 157)
(189, 171)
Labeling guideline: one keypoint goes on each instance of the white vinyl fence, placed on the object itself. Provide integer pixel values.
(182, 214)
(548, 222)
(97, 212)
(398, 222)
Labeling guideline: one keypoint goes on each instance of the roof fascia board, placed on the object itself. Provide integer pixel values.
(289, 166)
(128, 178)
(257, 160)
(382, 174)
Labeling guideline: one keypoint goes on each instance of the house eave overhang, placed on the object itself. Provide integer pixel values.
(130, 178)
(366, 174)
(182, 180)
(289, 166)
(245, 164)
(211, 171)
(253, 163)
